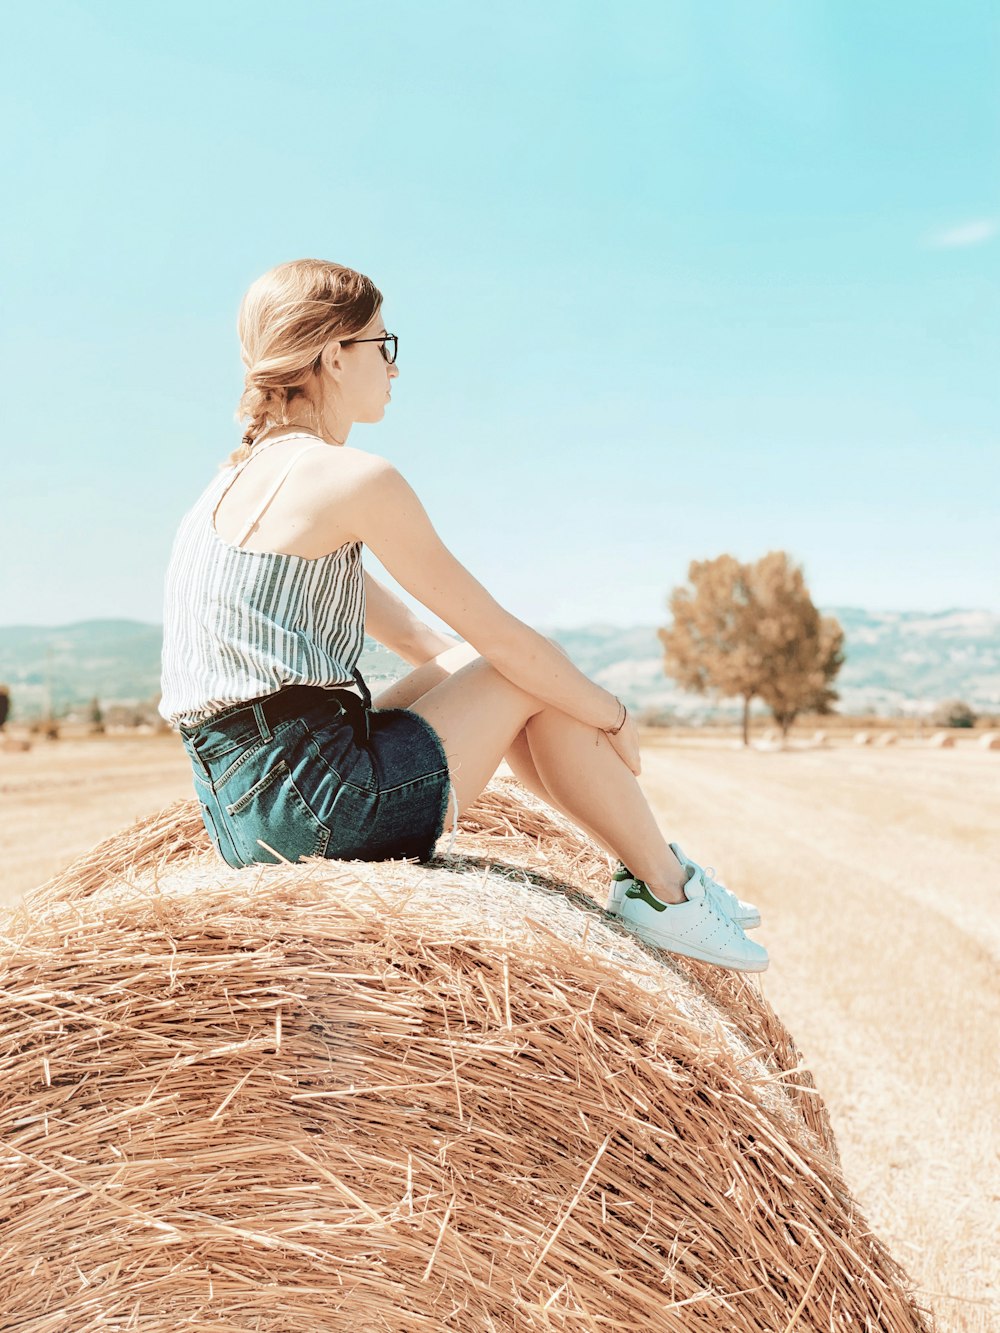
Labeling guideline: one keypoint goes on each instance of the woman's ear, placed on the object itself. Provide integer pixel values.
(330, 359)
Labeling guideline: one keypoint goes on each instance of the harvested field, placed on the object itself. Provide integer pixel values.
(876, 872)
(59, 798)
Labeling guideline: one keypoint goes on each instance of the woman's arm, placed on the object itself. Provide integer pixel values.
(388, 517)
(389, 620)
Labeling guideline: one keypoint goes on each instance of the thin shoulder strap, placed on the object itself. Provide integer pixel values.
(249, 527)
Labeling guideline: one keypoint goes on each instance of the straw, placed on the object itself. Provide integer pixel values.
(393, 1096)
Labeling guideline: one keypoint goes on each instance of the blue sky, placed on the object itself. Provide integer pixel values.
(670, 279)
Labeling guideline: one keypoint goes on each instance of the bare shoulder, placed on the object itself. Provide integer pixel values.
(317, 507)
(355, 479)
(342, 467)
(339, 489)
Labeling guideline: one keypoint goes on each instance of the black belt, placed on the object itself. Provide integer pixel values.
(293, 700)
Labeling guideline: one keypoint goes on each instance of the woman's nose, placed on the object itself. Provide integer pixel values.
(393, 371)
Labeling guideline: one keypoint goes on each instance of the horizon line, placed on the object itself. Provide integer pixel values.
(596, 622)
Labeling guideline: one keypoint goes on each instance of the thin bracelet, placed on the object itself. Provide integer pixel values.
(613, 731)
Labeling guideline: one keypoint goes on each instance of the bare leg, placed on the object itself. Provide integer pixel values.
(522, 763)
(478, 713)
(415, 684)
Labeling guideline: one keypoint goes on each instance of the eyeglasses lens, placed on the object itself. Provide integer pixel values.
(389, 348)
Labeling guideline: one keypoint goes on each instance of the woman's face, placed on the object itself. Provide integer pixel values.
(364, 381)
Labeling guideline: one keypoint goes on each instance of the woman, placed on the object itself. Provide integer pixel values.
(266, 610)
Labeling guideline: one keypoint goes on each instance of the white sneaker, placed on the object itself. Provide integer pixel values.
(745, 914)
(697, 928)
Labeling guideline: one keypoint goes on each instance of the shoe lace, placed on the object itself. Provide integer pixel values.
(716, 886)
(717, 905)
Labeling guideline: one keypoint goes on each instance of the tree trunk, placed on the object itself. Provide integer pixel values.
(746, 720)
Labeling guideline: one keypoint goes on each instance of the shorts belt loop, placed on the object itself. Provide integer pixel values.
(264, 729)
(199, 763)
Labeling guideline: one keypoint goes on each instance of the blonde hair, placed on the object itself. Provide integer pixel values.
(286, 318)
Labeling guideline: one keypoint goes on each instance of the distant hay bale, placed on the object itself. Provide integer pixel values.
(386, 1096)
(885, 738)
(943, 740)
(862, 738)
(990, 740)
(820, 738)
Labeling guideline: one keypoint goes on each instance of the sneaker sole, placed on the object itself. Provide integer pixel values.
(747, 922)
(702, 955)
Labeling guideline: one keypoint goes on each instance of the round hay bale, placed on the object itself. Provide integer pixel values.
(820, 738)
(398, 1097)
(943, 740)
(862, 738)
(990, 740)
(885, 738)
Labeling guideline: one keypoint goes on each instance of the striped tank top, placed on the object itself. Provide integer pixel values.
(238, 624)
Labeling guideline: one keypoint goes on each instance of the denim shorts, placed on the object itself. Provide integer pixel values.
(309, 771)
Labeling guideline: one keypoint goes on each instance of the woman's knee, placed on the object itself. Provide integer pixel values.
(463, 660)
(495, 681)
(458, 655)
(533, 702)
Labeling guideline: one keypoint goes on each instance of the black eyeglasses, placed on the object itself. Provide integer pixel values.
(383, 338)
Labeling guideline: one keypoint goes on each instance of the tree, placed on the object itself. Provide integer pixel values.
(801, 650)
(4, 704)
(709, 645)
(96, 717)
(751, 631)
(955, 713)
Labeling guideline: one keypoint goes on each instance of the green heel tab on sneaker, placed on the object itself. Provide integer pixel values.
(638, 889)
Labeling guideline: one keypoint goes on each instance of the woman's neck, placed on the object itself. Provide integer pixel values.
(296, 428)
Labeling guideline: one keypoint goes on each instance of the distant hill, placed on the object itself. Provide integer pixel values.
(115, 661)
(112, 659)
(897, 662)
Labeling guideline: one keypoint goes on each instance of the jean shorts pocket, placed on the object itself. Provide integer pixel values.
(274, 811)
(220, 838)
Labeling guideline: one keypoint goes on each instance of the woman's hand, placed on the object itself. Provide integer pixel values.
(626, 744)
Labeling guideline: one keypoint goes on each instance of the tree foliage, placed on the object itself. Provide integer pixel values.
(751, 631)
(4, 704)
(955, 713)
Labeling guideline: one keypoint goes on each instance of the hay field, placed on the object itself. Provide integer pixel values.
(876, 871)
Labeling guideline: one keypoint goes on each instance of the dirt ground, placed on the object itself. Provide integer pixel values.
(877, 872)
